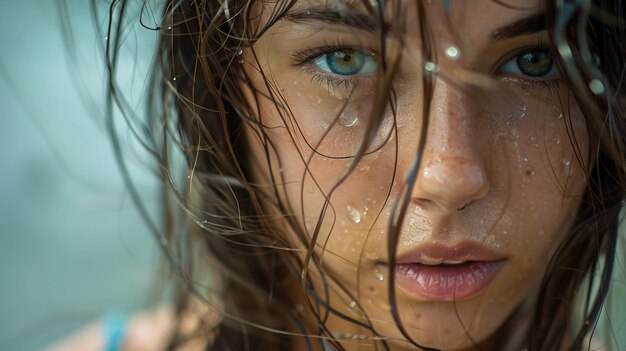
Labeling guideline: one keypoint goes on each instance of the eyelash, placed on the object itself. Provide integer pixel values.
(305, 57)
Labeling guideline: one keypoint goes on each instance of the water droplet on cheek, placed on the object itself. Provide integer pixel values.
(522, 111)
(380, 276)
(324, 125)
(354, 215)
(347, 119)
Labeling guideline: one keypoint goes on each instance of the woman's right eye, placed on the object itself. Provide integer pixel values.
(346, 62)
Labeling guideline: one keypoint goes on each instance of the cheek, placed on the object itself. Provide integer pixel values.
(544, 180)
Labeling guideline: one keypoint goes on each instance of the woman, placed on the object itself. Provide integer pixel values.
(387, 175)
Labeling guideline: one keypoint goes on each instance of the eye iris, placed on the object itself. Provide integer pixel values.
(345, 62)
(535, 63)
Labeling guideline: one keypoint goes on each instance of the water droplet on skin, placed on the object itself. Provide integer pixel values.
(353, 214)
(522, 111)
(559, 116)
(347, 120)
(556, 141)
(567, 166)
(453, 52)
(240, 61)
(324, 125)
(239, 51)
(352, 304)
(431, 67)
(380, 276)
(170, 28)
(174, 78)
(596, 86)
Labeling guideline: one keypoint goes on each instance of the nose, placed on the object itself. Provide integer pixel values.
(452, 174)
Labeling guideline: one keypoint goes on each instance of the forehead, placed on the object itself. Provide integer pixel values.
(471, 17)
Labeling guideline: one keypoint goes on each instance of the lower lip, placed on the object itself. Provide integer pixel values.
(447, 282)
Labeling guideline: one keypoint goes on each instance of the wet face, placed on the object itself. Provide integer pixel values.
(498, 185)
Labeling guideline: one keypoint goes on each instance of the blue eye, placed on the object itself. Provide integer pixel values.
(346, 62)
(534, 63)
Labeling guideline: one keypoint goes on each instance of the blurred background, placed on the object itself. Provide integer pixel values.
(72, 246)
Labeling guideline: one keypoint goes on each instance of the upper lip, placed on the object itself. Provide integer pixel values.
(440, 253)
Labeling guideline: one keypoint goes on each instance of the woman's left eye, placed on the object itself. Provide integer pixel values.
(346, 62)
(534, 63)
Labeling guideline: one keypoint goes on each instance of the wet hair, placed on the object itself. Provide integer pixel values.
(218, 231)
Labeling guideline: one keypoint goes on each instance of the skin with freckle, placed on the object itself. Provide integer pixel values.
(493, 170)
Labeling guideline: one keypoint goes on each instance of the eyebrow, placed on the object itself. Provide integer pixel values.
(527, 25)
(352, 19)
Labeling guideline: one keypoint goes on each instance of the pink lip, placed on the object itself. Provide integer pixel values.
(447, 282)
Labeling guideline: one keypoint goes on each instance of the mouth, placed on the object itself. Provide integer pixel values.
(447, 273)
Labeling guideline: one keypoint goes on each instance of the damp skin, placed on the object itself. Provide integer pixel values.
(498, 169)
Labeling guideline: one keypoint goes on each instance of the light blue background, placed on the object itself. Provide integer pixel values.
(71, 244)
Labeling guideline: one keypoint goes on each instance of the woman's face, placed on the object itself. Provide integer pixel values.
(498, 184)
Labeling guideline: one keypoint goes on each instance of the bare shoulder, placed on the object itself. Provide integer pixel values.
(143, 331)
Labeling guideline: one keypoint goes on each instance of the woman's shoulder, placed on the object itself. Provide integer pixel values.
(151, 330)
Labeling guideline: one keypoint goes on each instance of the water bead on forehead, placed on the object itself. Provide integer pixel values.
(453, 52)
(431, 67)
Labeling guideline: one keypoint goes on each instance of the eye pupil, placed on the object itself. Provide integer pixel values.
(535, 62)
(345, 62)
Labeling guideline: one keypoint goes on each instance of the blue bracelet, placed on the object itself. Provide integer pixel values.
(114, 328)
